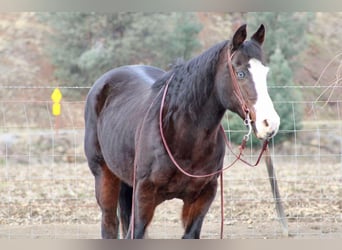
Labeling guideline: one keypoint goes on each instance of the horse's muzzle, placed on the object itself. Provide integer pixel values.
(267, 128)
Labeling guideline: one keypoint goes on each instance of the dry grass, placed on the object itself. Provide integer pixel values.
(56, 200)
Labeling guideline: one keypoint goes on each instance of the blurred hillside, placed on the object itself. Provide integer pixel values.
(23, 61)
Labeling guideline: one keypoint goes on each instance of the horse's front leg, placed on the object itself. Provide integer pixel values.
(144, 207)
(194, 211)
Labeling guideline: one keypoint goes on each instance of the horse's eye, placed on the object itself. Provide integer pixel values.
(241, 74)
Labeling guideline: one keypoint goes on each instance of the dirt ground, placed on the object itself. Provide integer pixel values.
(57, 201)
(47, 190)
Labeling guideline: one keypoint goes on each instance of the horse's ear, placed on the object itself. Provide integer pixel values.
(259, 35)
(239, 36)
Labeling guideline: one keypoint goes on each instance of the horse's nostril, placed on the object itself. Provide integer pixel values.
(269, 135)
(266, 123)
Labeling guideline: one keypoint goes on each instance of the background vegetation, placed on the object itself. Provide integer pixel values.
(85, 45)
(74, 49)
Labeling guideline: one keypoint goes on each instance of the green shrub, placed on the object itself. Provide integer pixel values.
(83, 46)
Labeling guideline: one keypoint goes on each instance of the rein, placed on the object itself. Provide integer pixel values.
(237, 156)
(247, 122)
(236, 87)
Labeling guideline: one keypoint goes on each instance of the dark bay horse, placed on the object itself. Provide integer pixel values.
(123, 141)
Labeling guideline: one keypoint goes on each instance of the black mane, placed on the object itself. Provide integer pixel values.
(192, 82)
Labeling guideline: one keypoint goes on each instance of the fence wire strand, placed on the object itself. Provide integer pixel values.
(47, 190)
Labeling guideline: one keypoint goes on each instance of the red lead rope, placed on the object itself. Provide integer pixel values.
(239, 96)
(238, 156)
(167, 148)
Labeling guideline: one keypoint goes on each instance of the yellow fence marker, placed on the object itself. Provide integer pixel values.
(56, 97)
(56, 109)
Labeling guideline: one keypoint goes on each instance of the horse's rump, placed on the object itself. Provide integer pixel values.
(117, 103)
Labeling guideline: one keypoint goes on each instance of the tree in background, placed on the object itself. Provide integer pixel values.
(285, 40)
(284, 30)
(284, 99)
(85, 45)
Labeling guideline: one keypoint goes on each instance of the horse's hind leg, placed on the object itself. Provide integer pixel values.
(125, 206)
(194, 211)
(107, 187)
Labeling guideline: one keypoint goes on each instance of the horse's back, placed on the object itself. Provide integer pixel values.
(114, 108)
(119, 80)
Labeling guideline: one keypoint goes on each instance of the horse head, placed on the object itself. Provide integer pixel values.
(246, 90)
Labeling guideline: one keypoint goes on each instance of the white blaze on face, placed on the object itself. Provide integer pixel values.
(267, 120)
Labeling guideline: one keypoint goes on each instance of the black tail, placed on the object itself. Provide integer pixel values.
(125, 206)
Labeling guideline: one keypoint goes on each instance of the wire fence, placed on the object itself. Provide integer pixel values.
(46, 188)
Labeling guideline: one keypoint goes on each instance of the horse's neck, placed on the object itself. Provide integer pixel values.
(198, 108)
(210, 115)
(206, 121)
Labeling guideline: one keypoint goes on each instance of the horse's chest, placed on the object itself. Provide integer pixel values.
(181, 186)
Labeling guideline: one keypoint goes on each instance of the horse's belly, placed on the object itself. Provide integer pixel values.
(181, 186)
(116, 140)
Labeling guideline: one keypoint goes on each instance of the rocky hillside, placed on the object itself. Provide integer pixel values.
(24, 63)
